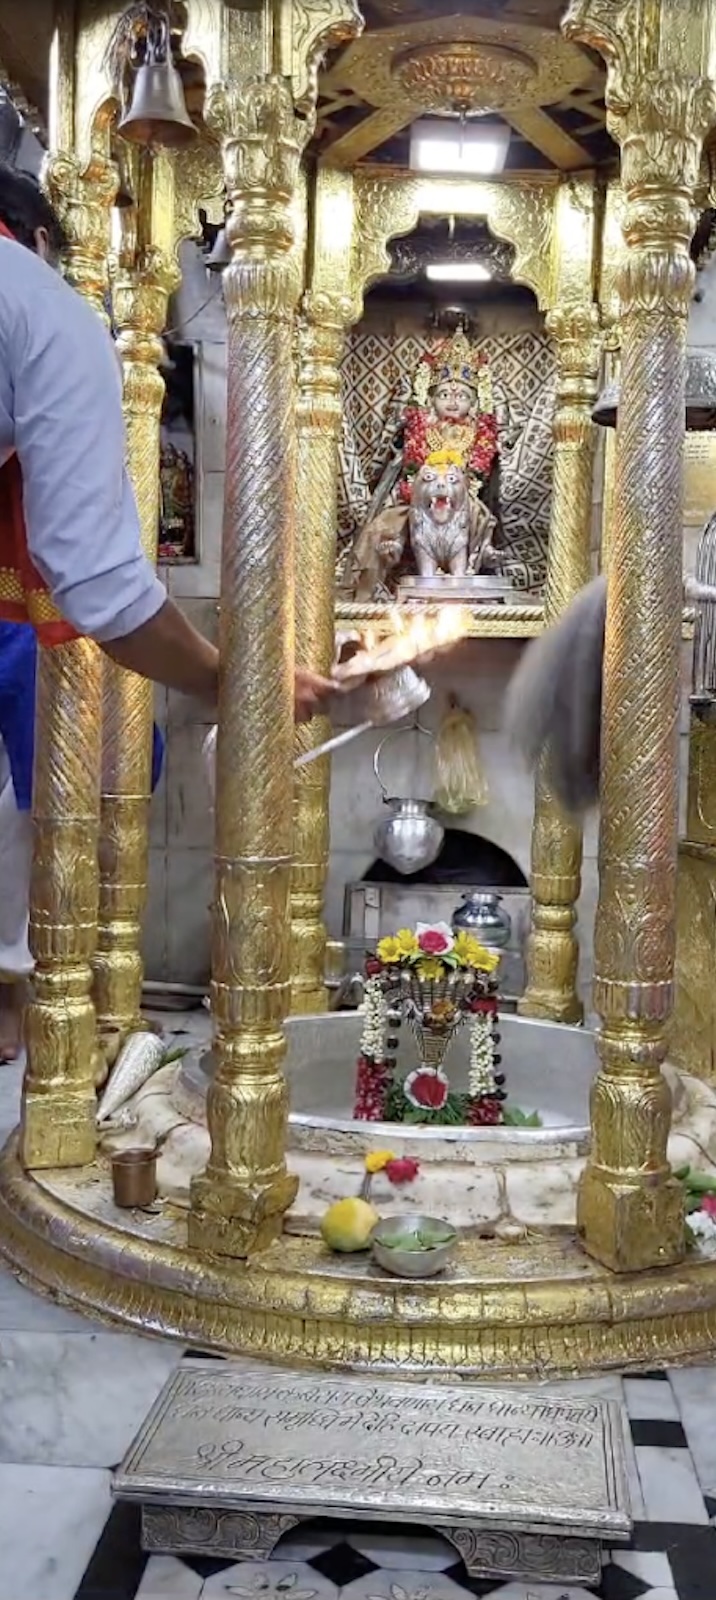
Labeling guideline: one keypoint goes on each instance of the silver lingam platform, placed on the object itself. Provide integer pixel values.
(231, 1457)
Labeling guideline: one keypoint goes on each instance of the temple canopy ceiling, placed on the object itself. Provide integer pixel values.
(509, 58)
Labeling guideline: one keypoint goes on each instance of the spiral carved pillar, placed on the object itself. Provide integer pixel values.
(661, 102)
(611, 375)
(318, 422)
(140, 297)
(58, 1110)
(237, 1205)
(552, 949)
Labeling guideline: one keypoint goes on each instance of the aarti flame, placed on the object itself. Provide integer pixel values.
(412, 638)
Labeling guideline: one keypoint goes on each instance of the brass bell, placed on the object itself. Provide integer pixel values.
(700, 395)
(220, 254)
(158, 113)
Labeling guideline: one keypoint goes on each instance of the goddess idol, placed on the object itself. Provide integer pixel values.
(445, 449)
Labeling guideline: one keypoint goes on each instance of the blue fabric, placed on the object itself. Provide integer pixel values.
(18, 661)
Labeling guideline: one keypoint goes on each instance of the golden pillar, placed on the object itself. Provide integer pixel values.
(140, 292)
(609, 265)
(58, 1111)
(694, 1034)
(660, 102)
(552, 948)
(326, 313)
(318, 424)
(612, 367)
(237, 1205)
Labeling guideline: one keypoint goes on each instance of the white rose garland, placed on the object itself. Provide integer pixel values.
(481, 1077)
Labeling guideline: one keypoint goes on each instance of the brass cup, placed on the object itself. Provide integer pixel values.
(134, 1178)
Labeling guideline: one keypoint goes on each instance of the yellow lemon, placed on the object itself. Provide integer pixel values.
(348, 1225)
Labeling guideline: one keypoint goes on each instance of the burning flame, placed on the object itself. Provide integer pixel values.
(412, 637)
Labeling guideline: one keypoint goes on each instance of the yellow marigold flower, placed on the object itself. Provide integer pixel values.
(376, 1160)
(445, 458)
(470, 953)
(406, 941)
(430, 968)
(389, 951)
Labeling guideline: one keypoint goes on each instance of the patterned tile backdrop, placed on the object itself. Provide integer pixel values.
(377, 374)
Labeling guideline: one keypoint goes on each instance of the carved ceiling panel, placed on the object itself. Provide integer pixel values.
(512, 61)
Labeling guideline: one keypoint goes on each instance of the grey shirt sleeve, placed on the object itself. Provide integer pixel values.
(80, 514)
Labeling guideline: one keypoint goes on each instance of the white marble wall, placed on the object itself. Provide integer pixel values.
(177, 938)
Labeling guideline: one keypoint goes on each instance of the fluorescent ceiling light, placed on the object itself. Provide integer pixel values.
(458, 272)
(467, 149)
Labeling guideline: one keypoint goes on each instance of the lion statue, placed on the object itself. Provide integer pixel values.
(444, 529)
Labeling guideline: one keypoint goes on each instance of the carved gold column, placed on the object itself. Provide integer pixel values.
(552, 949)
(612, 368)
(58, 1111)
(237, 1205)
(693, 1043)
(328, 308)
(610, 264)
(318, 423)
(660, 101)
(140, 293)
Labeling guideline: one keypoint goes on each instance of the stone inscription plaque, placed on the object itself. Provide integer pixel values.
(310, 1445)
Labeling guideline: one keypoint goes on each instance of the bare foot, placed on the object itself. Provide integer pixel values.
(12, 1011)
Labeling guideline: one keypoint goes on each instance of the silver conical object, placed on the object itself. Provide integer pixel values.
(700, 395)
(220, 255)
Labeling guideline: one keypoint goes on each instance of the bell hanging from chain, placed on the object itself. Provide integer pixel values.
(158, 114)
(220, 254)
(700, 395)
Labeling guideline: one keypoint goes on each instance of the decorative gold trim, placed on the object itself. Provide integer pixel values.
(500, 1315)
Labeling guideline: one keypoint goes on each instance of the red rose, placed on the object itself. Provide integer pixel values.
(372, 967)
(402, 1169)
(433, 943)
(708, 1204)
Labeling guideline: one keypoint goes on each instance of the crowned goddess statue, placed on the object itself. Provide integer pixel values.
(428, 513)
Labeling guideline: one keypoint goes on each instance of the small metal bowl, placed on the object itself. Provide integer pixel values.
(411, 1263)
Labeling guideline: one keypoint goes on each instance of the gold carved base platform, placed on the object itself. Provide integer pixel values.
(529, 1309)
(231, 1457)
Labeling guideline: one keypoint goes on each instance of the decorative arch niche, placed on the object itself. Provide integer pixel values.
(525, 214)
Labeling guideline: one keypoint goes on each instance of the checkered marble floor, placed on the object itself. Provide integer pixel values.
(672, 1466)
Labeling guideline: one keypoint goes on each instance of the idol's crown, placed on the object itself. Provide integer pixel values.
(456, 361)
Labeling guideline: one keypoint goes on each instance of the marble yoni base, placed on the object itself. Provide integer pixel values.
(230, 1459)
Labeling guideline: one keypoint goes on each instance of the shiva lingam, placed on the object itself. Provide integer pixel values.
(435, 981)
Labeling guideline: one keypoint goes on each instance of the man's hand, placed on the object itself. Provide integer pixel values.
(310, 693)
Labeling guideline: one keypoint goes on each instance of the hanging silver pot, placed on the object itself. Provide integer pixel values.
(411, 837)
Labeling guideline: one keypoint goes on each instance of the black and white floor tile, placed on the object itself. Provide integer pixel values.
(72, 1398)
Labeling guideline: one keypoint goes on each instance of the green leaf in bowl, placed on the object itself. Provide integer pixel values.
(400, 1241)
(432, 1234)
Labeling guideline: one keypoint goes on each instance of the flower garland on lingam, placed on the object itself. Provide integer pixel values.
(436, 981)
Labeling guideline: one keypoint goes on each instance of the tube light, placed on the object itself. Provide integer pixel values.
(472, 149)
(458, 272)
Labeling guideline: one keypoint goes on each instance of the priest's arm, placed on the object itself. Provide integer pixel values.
(61, 412)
